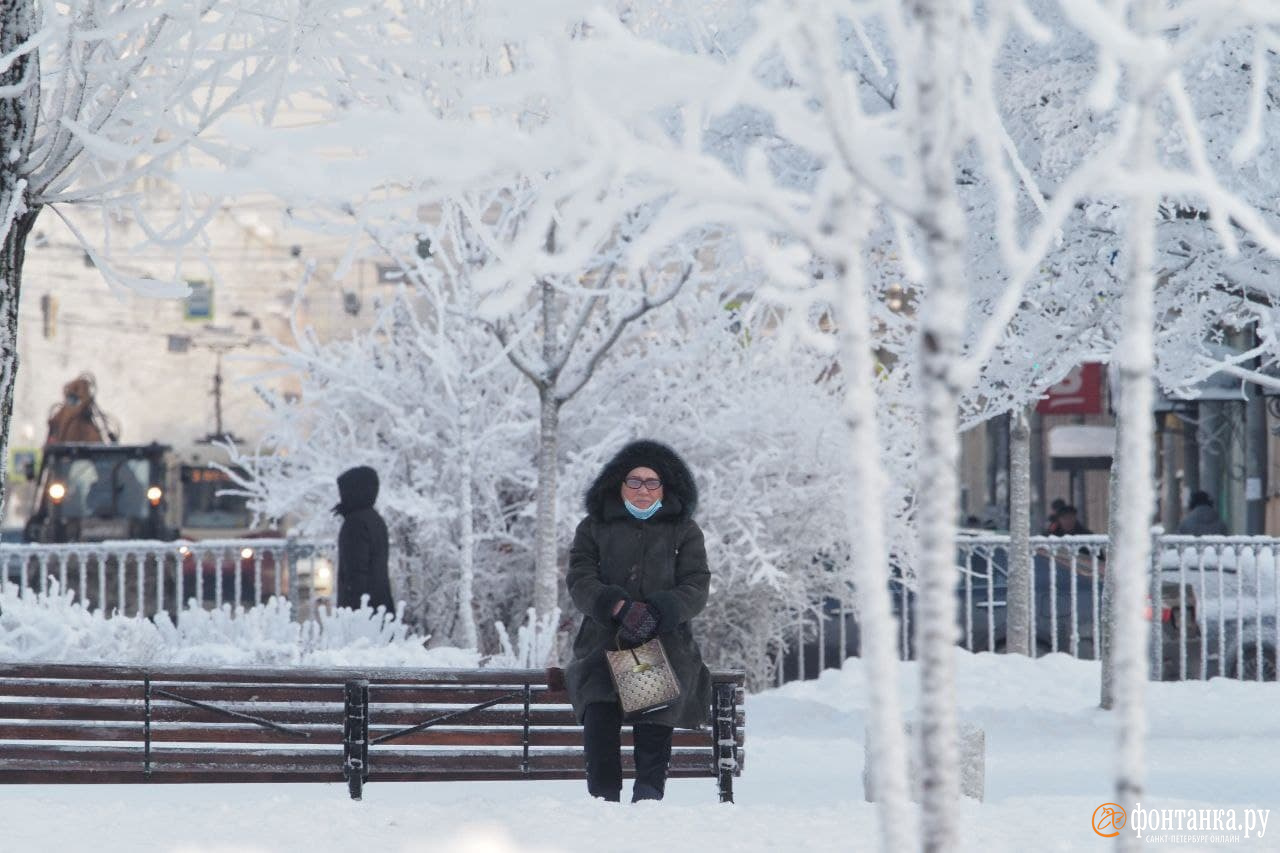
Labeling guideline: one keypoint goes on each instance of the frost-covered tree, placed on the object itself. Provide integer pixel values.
(937, 183)
(427, 399)
(559, 304)
(568, 263)
(1155, 61)
(1008, 225)
(774, 137)
(100, 102)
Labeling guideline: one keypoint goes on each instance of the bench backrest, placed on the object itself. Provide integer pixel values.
(73, 723)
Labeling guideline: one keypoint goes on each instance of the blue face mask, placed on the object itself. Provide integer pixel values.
(642, 514)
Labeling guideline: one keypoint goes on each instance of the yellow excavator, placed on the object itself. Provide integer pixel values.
(77, 419)
(89, 488)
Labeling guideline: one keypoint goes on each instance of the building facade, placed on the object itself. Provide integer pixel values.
(1222, 439)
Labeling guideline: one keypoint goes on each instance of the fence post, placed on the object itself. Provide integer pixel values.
(724, 732)
(179, 578)
(293, 554)
(355, 737)
(146, 726)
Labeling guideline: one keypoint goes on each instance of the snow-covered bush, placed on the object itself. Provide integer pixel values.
(55, 628)
(533, 643)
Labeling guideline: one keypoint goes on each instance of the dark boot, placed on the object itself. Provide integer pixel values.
(602, 743)
(653, 757)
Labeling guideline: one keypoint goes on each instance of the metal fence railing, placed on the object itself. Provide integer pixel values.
(1213, 605)
(1213, 602)
(145, 577)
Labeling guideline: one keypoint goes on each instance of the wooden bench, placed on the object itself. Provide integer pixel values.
(114, 724)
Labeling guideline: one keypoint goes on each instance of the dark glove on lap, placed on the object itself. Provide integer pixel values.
(639, 622)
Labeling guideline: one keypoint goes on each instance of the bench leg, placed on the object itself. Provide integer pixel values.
(355, 737)
(726, 745)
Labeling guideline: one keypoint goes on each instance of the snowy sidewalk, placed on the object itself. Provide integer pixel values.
(1049, 764)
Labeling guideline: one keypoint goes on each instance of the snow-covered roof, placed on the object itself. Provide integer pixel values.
(1076, 441)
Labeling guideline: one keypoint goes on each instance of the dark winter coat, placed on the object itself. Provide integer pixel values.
(661, 561)
(362, 541)
(1202, 521)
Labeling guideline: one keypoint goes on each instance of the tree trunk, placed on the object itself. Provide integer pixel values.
(1135, 503)
(12, 254)
(1018, 609)
(1106, 645)
(865, 500)
(941, 329)
(938, 505)
(546, 590)
(466, 511)
(546, 572)
(18, 115)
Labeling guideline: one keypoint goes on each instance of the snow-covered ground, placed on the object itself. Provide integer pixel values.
(1212, 745)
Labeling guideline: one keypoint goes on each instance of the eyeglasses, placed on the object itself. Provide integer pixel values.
(651, 485)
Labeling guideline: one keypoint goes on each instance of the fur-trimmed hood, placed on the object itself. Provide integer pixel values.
(603, 500)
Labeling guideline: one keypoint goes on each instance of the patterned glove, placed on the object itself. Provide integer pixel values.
(639, 622)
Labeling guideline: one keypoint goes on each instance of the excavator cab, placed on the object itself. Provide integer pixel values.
(96, 492)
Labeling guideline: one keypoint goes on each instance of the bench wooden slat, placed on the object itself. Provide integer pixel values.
(400, 694)
(276, 675)
(250, 734)
(111, 774)
(26, 757)
(123, 689)
(166, 711)
(381, 694)
(108, 775)
(307, 675)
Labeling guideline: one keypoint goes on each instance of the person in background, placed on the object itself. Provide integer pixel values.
(1068, 523)
(1201, 518)
(362, 542)
(1051, 526)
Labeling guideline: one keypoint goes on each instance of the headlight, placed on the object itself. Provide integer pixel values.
(246, 553)
(184, 550)
(57, 492)
(154, 494)
(324, 574)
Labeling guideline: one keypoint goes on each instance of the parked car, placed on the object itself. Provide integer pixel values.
(981, 594)
(1067, 608)
(1063, 597)
(1252, 657)
(1234, 615)
(1178, 608)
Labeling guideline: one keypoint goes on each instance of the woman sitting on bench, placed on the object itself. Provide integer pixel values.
(637, 569)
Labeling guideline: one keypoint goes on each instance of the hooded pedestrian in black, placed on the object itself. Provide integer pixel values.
(362, 541)
(638, 567)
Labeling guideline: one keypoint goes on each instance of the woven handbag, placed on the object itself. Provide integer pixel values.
(643, 677)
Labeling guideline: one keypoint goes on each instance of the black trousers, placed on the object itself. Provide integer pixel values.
(602, 741)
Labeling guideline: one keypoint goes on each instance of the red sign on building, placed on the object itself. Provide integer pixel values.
(1079, 393)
